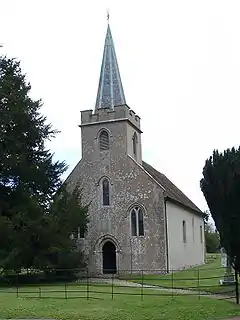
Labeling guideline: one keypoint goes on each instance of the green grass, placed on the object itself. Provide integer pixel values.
(202, 278)
(126, 306)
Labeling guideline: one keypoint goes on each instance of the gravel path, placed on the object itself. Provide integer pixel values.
(125, 283)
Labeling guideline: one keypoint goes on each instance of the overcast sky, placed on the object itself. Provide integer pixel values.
(179, 62)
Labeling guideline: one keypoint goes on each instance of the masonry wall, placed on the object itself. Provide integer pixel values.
(182, 254)
(130, 185)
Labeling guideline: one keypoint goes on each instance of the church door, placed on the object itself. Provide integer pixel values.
(109, 258)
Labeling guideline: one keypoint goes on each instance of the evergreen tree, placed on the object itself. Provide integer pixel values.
(69, 224)
(221, 188)
(29, 178)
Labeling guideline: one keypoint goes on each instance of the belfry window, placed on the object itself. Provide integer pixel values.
(104, 140)
(135, 144)
(105, 192)
(137, 225)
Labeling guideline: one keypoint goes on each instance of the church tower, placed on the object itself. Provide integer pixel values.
(136, 214)
(126, 220)
(113, 127)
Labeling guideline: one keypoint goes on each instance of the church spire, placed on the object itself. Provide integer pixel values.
(110, 89)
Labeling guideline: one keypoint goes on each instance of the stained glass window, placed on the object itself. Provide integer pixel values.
(184, 231)
(201, 234)
(105, 191)
(137, 221)
(134, 223)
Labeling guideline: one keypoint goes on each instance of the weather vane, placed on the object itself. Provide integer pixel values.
(108, 16)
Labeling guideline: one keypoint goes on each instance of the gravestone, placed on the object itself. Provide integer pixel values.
(223, 258)
(226, 263)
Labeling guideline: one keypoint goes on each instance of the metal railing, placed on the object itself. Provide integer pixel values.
(81, 283)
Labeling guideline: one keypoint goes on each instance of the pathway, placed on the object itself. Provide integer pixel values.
(125, 283)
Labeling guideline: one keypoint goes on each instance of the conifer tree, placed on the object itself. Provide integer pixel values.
(29, 178)
(221, 188)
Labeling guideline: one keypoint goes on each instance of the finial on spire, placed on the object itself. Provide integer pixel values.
(108, 16)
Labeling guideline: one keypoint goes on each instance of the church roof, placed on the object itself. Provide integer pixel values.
(110, 89)
(172, 191)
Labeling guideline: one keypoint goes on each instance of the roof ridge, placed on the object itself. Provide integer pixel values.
(172, 191)
(147, 172)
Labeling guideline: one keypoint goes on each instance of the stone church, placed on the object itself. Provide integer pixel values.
(139, 220)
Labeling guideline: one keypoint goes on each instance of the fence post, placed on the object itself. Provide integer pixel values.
(17, 286)
(65, 291)
(236, 286)
(112, 284)
(172, 283)
(87, 284)
(199, 284)
(142, 288)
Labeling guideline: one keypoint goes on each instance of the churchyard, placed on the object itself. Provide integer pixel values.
(123, 306)
(205, 278)
(123, 299)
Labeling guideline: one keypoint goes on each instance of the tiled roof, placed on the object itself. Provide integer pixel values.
(172, 192)
(110, 89)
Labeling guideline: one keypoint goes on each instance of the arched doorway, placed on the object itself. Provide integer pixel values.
(109, 258)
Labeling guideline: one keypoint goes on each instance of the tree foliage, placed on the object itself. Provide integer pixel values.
(69, 214)
(34, 230)
(221, 188)
(212, 239)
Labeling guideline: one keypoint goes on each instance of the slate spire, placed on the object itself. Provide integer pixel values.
(110, 89)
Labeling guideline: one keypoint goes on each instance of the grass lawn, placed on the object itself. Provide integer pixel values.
(101, 305)
(203, 278)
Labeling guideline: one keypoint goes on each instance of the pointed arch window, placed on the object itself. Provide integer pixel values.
(106, 192)
(104, 140)
(201, 234)
(135, 141)
(193, 229)
(137, 224)
(184, 230)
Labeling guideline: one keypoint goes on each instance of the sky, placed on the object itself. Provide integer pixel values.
(179, 62)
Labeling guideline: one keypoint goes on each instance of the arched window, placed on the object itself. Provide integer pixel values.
(193, 229)
(137, 221)
(201, 235)
(105, 192)
(104, 140)
(184, 231)
(135, 140)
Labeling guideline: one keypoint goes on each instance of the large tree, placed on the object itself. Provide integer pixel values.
(29, 179)
(221, 188)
